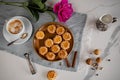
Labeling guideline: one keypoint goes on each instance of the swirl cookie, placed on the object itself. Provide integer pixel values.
(43, 50)
(51, 29)
(50, 56)
(65, 45)
(57, 39)
(40, 35)
(55, 48)
(48, 42)
(66, 36)
(51, 75)
(60, 30)
(62, 54)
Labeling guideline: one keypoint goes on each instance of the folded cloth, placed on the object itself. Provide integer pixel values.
(75, 24)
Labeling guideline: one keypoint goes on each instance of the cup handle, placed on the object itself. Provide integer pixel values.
(114, 20)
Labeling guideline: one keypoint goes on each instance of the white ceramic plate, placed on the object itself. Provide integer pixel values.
(28, 29)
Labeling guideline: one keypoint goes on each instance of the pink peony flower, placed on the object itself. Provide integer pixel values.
(64, 10)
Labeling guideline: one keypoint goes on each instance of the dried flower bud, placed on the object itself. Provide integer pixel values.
(96, 51)
(89, 61)
(98, 59)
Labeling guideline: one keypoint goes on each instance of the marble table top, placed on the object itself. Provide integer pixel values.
(105, 41)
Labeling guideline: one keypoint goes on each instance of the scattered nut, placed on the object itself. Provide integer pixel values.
(96, 51)
(51, 75)
(89, 61)
(98, 59)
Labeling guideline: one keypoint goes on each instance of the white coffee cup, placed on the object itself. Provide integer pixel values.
(15, 26)
(106, 19)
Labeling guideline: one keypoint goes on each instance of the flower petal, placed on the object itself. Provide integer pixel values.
(64, 10)
(56, 7)
(64, 1)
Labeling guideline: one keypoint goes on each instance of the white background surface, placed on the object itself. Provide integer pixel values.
(15, 68)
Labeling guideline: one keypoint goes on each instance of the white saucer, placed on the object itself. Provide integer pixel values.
(28, 29)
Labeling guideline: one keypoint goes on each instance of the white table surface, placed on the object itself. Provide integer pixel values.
(16, 68)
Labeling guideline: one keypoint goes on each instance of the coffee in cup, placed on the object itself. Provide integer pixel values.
(15, 26)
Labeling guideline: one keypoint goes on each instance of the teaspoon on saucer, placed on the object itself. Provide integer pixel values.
(23, 36)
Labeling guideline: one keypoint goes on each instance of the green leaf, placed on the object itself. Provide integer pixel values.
(39, 4)
(51, 14)
(43, 1)
(36, 15)
(33, 13)
(49, 8)
(25, 4)
(19, 4)
(29, 11)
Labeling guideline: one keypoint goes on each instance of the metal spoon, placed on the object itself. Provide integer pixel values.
(23, 36)
(33, 71)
